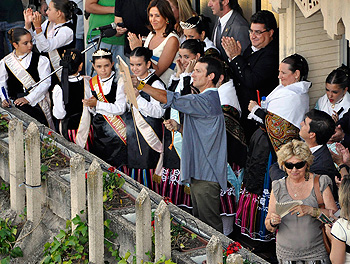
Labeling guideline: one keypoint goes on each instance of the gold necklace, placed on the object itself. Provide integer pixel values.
(20, 59)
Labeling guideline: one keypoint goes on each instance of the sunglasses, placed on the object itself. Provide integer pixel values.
(297, 165)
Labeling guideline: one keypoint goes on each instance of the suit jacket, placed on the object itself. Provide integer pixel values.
(322, 164)
(236, 27)
(254, 71)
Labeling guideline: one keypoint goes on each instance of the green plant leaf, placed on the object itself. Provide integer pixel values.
(61, 235)
(16, 252)
(5, 260)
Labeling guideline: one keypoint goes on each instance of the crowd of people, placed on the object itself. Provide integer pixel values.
(215, 123)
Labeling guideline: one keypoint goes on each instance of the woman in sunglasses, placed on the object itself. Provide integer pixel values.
(299, 237)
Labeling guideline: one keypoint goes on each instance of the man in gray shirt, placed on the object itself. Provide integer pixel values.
(204, 156)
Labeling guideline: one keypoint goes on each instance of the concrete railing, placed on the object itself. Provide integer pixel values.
(64, 193)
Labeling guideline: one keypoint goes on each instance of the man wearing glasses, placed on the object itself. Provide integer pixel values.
(257, 68)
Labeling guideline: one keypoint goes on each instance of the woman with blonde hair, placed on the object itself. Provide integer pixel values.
(300, 225)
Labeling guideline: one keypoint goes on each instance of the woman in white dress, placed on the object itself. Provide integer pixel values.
(336, 101)
(162, 40)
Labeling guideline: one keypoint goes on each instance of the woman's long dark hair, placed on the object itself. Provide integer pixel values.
(166, 12)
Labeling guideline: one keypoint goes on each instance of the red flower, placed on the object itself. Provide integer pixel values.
(111, 169)
(119, 175)
(50, 133)
(167, 200)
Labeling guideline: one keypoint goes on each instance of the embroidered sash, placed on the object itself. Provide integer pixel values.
(85, 120)
(27, 81)
(116, 122)
(147, 132)
(55, 62)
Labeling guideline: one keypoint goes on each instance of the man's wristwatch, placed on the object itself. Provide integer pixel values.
(141, 85)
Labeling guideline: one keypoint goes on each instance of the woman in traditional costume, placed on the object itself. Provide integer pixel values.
(336, 101)
(144, 148)
(67, 98)
(287, 105)
(19, 72)
(106, 100)
(162, 40)
(197, 27)
(56, 34)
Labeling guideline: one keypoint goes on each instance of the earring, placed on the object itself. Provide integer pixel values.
(167, 22)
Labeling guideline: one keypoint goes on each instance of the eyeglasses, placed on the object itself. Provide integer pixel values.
(297, 165)
(256, 32)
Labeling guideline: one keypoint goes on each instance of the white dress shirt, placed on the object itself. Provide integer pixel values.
(153, 107)
(59, 109)
(38, 93)
(58, 36)
(110, 109)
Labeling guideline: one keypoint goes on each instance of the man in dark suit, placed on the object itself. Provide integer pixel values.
(316, 129)
(230, 23)
(257, 68)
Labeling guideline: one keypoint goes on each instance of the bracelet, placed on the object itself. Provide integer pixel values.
(343, 166)
(271, 224)
(178, 128)
(141, 85)
(316, 212)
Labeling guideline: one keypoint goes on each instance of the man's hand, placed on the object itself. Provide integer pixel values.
(338, 135)
(232, 47)
(120, 31)
(171, 125)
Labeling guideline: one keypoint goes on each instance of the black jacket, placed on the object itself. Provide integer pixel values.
(254, 71)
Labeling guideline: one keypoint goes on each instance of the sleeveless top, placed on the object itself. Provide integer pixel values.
(15, 87)
(294, 231)
(157, 52)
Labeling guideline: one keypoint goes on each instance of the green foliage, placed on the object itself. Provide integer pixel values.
(51, 156)
(23, 216)
(111, 182)
(4, 126)
(68, 245)
(4, 187)
(124, 260)
(8, 234)
(73, 246)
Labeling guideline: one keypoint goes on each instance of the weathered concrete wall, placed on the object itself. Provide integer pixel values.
(57, 206)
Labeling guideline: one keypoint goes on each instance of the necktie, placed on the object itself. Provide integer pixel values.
(218, 35)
